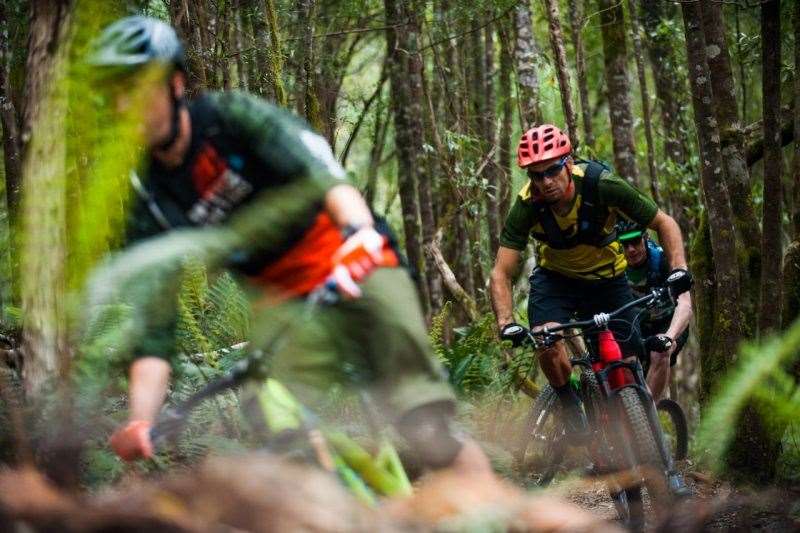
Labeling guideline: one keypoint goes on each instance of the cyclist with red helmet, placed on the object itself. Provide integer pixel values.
(570, 208)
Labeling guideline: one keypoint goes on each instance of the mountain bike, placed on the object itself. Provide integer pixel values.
(367, 476)
(626, 442)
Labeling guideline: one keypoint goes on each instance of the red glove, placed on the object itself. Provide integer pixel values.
(362, 252)
(133, 441)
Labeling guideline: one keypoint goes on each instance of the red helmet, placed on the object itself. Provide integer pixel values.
(542, 143)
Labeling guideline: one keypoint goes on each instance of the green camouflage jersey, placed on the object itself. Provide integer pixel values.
(582, 261)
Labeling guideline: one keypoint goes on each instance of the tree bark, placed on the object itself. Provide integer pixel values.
(461, 296)
(727, 321)
(9, 120)
(310, 102)
(275, 54)
(636, 31)
(576, 23)
(492, 171)
(669, 87)
(238, 33)
(771, 254)
(731, 141)
(507, 110)
(618, 89)
(796, 115)
(560, 55)
(754, 451)
(525, 56)
(408, 134)
(43, 213)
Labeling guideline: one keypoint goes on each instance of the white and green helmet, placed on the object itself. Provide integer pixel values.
(136, 41)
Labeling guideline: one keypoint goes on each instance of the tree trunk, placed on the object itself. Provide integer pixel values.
(43, 215)
(310, 103)
(771, 255)
(408, 134)
(790, 310)
(636, 31)
(525, 57)
(576, 22)
(9, 120)
(560, 55)
(275, 54)
(796, 155)
(506, 124)
(492, 171)
(223, 45)
(727, 321)
(238, 36)
(754, 451)
(618, 89)
(724, 90)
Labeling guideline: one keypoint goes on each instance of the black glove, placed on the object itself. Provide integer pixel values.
(515, 333)
(679, 281)
(658, 343)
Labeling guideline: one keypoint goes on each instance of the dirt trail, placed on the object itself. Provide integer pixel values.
(716, 506)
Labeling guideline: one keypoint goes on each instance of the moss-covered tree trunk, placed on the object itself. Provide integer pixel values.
(736, 173)
(275, 53)
(618, 89)
(721, 340)
(43, 215)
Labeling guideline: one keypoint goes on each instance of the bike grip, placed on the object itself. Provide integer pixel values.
(679, 281)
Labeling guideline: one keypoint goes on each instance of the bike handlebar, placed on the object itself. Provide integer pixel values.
(599, 320)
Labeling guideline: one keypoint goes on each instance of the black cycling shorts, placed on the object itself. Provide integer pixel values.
(558, 298)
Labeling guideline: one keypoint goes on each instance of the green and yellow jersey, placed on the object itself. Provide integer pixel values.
(616, 198)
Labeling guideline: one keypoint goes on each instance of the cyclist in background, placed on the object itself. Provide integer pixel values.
(665, 328)
(219, 159)
(570, 208)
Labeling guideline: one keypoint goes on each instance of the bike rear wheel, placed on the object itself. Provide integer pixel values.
(676, 429)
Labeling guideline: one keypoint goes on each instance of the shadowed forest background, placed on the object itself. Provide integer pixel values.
(695, 103)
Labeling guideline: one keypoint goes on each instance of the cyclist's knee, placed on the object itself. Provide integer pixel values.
(429, 434)
(549, 353)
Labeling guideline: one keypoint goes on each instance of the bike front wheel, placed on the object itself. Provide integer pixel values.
(541, 448)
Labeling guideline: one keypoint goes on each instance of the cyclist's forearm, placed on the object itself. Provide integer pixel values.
(147, 388)
(681, 317)
(347, 207)
(670, 238)
(502, 298)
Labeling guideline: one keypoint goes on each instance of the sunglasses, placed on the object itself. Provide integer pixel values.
(548, 172)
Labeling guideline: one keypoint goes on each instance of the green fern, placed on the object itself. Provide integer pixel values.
(436, 333)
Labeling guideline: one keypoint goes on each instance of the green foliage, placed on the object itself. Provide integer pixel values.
(765, 373)
(475, 358)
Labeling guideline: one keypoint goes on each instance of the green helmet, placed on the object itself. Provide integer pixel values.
(135, 41)
(628, 230)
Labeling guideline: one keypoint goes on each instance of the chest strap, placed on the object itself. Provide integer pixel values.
(590, 226)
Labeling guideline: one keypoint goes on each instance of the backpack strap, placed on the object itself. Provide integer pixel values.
(589, 213)
(589, 223)
(555, 236)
